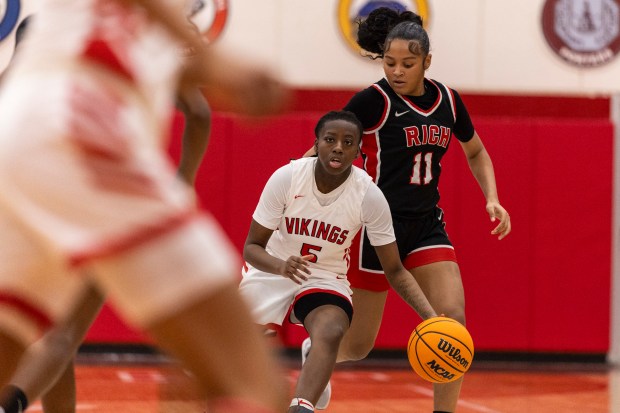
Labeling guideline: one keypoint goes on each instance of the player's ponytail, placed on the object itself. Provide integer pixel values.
(384, 24)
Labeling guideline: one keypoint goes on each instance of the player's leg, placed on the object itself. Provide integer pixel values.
(46, 369)
(61, 397)
(46, 366)
(326, 325)
(360, 337)
(181, 285)
(11, 351)
(370, 291)
(441, 283)
(217, 341)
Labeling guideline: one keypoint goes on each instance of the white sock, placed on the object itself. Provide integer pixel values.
(298, 401)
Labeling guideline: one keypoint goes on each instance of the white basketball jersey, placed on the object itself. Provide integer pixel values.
(122, 40)
(326, 232)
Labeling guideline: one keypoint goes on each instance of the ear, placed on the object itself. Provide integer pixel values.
(427, 61)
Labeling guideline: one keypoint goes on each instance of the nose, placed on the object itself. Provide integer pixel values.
(398, 71)
(338, 147)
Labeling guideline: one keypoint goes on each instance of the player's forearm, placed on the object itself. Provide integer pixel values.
(259, 258)
(482, 169)
(195, 133)
(407, 287)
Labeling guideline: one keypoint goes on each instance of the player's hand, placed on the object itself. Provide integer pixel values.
(237, 85)
(296, 268)
(498, 213)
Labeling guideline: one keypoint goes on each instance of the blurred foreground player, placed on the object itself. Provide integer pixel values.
(91, 197)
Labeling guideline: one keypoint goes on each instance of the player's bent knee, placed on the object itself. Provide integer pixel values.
(350, 351)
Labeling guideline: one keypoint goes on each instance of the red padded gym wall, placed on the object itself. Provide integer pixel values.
(530, 292)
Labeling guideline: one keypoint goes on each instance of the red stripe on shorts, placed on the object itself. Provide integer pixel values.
(41, 319)
(133, 239)
(426, 256)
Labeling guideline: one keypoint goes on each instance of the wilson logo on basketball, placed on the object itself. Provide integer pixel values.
(439, 370)
(440, 350)
(453, 352)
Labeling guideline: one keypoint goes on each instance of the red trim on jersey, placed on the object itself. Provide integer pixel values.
(418, 109)
(100, 52)
(386, 108)
(452, 101)
(429, 256)
(370, 150)
(41, 319)
(134, 239)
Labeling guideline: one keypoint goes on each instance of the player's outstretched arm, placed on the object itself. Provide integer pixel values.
(402, 281)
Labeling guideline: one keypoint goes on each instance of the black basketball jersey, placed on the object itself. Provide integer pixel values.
(405, 138)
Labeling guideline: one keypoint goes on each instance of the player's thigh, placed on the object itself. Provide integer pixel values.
(269, 296)
(368, 307)
(218, 341)
(174, 270)
(36, 289)
(441, 283)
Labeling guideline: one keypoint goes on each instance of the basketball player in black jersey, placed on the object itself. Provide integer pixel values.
(408, 122)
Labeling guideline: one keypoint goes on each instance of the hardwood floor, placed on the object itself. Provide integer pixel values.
(115, 383)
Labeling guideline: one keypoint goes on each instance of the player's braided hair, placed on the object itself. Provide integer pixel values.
(376, 32)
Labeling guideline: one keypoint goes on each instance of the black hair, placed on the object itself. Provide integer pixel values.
(339, 115)
(376, 32)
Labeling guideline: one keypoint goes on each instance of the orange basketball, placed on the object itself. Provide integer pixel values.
(440, 350)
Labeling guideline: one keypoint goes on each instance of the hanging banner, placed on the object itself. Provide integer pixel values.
(350, 11)
(209, 16)
(9, 14)
(585, 33)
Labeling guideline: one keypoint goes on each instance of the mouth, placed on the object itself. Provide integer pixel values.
(335, 163)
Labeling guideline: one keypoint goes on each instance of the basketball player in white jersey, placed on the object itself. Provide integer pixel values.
(90, 196)
(297, 248)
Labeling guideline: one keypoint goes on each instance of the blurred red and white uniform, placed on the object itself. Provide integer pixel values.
(86, 181)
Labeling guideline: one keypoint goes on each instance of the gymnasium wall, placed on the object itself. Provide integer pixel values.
(495, 46)
(532, 291)
(545, 122)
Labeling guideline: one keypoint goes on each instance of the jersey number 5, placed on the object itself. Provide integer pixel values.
(307, 249)
(416, 176)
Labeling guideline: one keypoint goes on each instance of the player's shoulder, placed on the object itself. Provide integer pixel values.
(371, 93)
(304, 162)
(445, 87)
(361, 178)
(360, 173)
